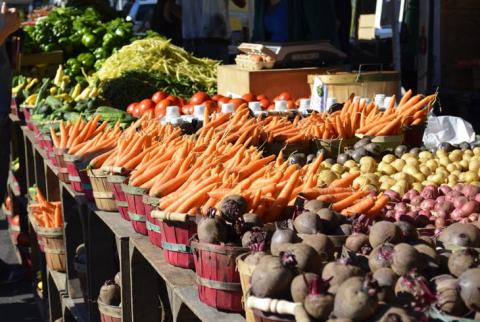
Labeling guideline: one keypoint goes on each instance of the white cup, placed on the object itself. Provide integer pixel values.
(198, 112)
(255, 106)
(380, 100)
(172, 112)
(304, 104)
(387, 101)
(228, 108)
(281, 106)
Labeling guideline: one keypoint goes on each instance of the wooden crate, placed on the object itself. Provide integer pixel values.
(50, 58)
(271, 82)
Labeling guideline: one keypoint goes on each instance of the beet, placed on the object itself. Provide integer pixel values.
(337, 272)
(254, 258)
(252, 219)
(408, 231)
(318, 303)
(329, 218)
(459, 234)
(382, 232)
(405, 258)
(212, 229)
(412, 289)
(428, 256)
(356, 299)
(110, 293)
(469, 283)
(357, 242)
(381, 257)
(232, 207)
(307, 259)
(300, 286)
(387, 313)
(314, 205)
(254, 236)
(462, 260)
(272, 277)
(321, 243)
(386, 279)
(448, 297)
(280, 237)
(308, 223)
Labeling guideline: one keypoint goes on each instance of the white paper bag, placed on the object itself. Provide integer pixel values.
(453, 130)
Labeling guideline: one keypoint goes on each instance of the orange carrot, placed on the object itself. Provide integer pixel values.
(334, 197)
(344, 182)
(360, 207)
(347, 202)
(380, 203)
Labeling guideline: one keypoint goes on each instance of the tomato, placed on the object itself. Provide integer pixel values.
(224, 99)
(187, 109)
(150, 113)
(136, 111)
(248, 97)
(174, 99)
(159, 96)
(23, 240)
(271, 107)
(262, 97)
(145, 105)
(291, 104)
(216, 97)
(183, 102)
(237, 102)
(211, 106)
(264, 103)
(161, 108)
(15, 220)
(198, 98)
(284, 96)
(131, 107)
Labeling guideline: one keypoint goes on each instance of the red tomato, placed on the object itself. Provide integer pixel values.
(198, 98)
(216, 97)
(174, 99)
(261, 97)
(284, 96)
(15, 220)
(145, 105)
(187, 109)
(131, 108)
(159, 96)
(136, 111)
(291, 104)
(161, 108)
(150, 113)
(271, 107)
(248, 97)
(183, 102)
(211, 106)
(23, 240)
(264, 103)
(237, 102)
(224, 99)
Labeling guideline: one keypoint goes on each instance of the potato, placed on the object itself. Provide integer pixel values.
(387, 179)
(425, 155)
(399, 189)
(425, 170)
(386, 168)
(471, 176)
(476, 151)
(412, 162)
(337, 168)
(388, 158)
(432, 164)
(407, 156)
(354, 169)
(360, 182)
(369, 187)
(474, 165)
(444, 161)
(398, 164)
(368, 164)
(467, 157)
(385, 186)
(464, 164)
(441, 153)
(455, 155)
(326, 164)
(451, 167)
(409, 169)
(419, 177)
(417, 186)
(327, 176)
(452, 179)
(349, 164)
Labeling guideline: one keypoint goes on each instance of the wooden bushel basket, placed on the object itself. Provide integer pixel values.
(109, 313)
(116, 182)
(77, 174)
(54, 248)
(153, 225)
(276, 147)
(218, 280)
(334, 147)
(62, 166)
(136, 208)
(102, 191)
(245, 270)
(386, 142)
(177, 233)
(414, 135)
(273, 310)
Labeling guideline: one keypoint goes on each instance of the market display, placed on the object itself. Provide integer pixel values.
(284, 213)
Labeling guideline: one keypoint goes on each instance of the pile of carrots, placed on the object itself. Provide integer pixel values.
(47, 214)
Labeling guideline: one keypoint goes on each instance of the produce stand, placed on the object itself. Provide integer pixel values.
(151, 288)
(233, 80)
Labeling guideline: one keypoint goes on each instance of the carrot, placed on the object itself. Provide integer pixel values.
(255, 166)
(283, 197)
(196, 199)
(360, 207)
(336, 197)
(98, 161)
(390, 127)
(405, 97)
(347, 202)
(57, 217)
(55, 138)
(63, 136)
(344, 182)
(380, 203)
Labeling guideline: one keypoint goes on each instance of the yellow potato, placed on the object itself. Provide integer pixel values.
(476, 151)
(425, 155)
(398, 164)
(337, 168)
(350, 164)
(388, 158)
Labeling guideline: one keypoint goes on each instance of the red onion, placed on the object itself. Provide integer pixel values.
(444, 189)
(470, 191)
(439, 222)
(456, 214)
(427, 204)
(429, 193)
(394, 196)
(399, 214)
(440, 213)
(446, 206)
(390, 213)
(464, 221)
(473, 217)
(470, 207)
(430, 187)
(458, 187)
(401, 206)
(477, 197)
(416, 201)
(452, 195)
(425, 213)
(440, 199)
(459, 201)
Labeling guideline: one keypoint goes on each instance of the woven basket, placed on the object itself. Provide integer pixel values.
(177, 233)
(116, 182)
(276, 147)
(62, 166)
(109, 313)
(153, 225)
(77, 174)
(245, 270)
(136, 208)
(102, 190)
(218, 280)
(54, 248)
(334, 147)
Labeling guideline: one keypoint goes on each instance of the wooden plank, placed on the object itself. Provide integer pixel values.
(60, 280)
(29, 158)
(54, 296)
(119, 226)
(52, 184)
(50, 58)
(77, 308)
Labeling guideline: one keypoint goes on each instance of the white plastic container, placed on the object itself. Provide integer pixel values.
(304, 105)
(172, 116)
(380, 100)
(387, 101)
(227, 108)
(255, 106)
(198, 112)
(281, 106)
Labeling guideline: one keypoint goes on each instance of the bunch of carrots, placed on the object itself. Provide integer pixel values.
(46, 214)
(137, 142)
